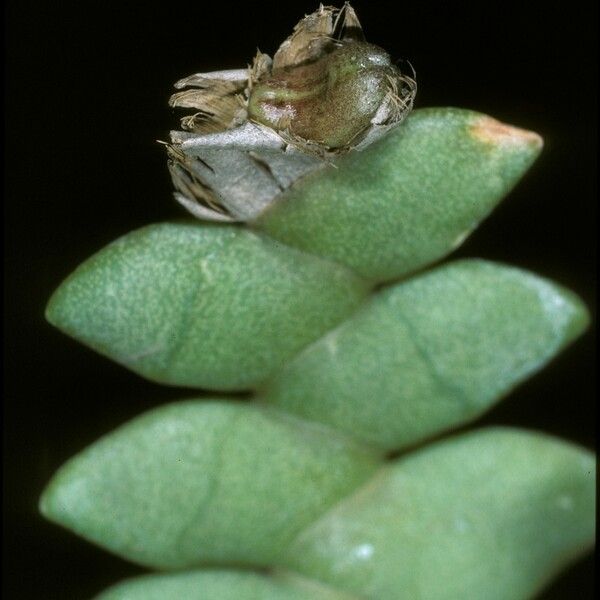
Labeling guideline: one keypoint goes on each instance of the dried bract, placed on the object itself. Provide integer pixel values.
(255, 131)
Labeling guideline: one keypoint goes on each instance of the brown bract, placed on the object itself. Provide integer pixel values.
(325, 85)
(325, 92)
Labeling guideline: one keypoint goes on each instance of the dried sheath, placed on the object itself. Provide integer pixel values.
(256, 131)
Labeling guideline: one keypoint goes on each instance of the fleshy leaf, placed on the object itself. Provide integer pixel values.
(205, 482)
(220, 585)
(202, 305)
(493, 514)
(409, 198)
(431, 353)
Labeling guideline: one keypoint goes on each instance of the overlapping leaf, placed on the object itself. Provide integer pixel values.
(207, 306)
(283, 309)
(430, 353)
(409, 198)
(205, 482)
(491, 514)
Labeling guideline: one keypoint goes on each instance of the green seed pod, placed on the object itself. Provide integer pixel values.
(334, 100)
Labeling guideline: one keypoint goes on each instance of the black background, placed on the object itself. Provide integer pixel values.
(87, 89)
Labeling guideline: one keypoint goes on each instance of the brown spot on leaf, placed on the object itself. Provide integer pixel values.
(491, 131)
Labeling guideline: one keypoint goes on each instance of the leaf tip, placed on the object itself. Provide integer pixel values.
(581, 313)
(58, 308)
(46, 504)
(564, 307)
(60, 498)
(50, 312)
(493, 132)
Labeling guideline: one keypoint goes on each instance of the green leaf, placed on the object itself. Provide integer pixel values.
(409, 198)
(493, 514)
(197, 482)
(220, 585)
(207, 306)
(431, 353)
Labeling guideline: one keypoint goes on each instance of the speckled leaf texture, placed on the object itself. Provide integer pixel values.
(430, 353)
(409, 198)
(291, 494)
(490, 514)
(202, 481)
(209, 306)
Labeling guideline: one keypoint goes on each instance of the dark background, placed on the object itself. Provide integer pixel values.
(87, 89)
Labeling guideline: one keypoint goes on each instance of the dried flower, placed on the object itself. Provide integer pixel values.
(256, 131)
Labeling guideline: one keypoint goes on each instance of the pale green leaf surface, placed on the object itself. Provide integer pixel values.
(200, 305)
(204, 481)
(492, 514)
(431, 353)
(409, 198)
(220, 585)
